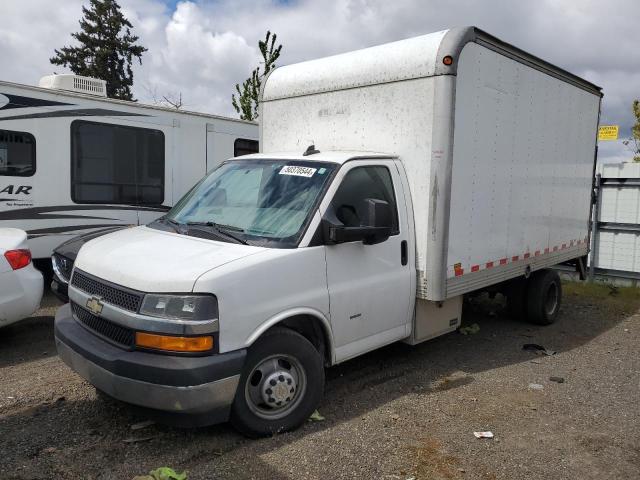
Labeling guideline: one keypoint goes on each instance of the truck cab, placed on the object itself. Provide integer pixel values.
(280, 264)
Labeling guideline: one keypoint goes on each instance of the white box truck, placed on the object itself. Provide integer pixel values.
(392, 181)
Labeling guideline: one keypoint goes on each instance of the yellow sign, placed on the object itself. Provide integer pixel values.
(608, 132)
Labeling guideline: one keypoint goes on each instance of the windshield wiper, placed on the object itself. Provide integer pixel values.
(221, 229)
(167, 221)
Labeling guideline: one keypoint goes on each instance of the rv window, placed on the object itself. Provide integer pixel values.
(17, 154)
(242, 146)
(116, 164)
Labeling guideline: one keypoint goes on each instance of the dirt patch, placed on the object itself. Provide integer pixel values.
(434, 463)
(396, 413)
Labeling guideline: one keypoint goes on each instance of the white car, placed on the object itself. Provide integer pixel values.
(20, 282)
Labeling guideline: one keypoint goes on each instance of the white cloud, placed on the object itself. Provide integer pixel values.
(202, 48)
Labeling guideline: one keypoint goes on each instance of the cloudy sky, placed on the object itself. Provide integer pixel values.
(202, 48)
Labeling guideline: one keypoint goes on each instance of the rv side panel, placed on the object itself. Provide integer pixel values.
(79, 161)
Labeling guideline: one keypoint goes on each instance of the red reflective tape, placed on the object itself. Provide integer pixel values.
(537, 252)
(564, 245)
(515, 259)
(459, 271)
(546, 250)
(555, 248)
(489, 264)
(475, 268)
(526, 255)
(503, 261)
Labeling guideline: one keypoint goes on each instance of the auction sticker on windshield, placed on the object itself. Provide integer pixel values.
(297, 171)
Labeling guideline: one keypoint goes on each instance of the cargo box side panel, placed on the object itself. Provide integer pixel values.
(522, 170)
(394, 118)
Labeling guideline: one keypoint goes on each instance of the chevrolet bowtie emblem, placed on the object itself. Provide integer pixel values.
(94, 305)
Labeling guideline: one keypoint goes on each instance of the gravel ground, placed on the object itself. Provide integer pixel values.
(397, 413)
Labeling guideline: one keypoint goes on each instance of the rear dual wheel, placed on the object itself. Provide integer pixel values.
(536, 299)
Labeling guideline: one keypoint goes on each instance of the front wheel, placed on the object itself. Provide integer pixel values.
(281, 385)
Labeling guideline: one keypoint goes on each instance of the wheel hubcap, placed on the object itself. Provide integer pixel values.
(278, 388)
(275, 387)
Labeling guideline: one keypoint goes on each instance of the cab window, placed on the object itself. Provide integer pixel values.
(359, 184)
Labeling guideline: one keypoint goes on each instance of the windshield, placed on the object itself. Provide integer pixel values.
(261, 201)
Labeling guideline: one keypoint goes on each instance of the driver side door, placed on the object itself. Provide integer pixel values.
(369, 285)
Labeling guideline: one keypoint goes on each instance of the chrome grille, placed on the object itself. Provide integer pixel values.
(109, 293)
(112, 331)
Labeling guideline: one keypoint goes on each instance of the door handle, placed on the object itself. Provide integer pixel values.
(403, 252)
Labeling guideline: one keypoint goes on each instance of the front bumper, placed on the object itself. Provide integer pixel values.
(60, 289)
(194, 386)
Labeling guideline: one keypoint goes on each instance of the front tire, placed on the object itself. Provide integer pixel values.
(281, 384)
(544, 296)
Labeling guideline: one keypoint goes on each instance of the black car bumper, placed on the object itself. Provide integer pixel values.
(60, 289)
(202, 388)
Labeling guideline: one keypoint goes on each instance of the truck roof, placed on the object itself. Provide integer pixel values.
(412, 58)
(332, 156)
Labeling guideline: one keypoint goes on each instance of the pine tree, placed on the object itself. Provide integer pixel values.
(107, 48)
(246, 103)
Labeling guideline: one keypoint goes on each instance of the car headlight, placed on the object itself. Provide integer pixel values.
(181, 307)
(62, 267)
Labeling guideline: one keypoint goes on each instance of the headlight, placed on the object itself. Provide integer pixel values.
(182, 307)
(62, 267)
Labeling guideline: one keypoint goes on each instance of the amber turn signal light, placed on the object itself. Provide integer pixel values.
(448, 60)
(174, 344)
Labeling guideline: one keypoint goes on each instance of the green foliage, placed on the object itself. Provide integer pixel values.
(614, 298)
(163, 473)
(634, 142)
(635, 130)
(106, 48)
(246, 103)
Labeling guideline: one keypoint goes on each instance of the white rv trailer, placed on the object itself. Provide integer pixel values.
(72, 160)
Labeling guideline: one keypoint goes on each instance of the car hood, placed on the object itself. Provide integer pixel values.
(151, 260)
(70, 248)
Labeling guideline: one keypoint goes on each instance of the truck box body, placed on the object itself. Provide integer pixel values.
(499, 147)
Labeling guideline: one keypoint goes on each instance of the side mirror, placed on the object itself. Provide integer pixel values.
(374, 228)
